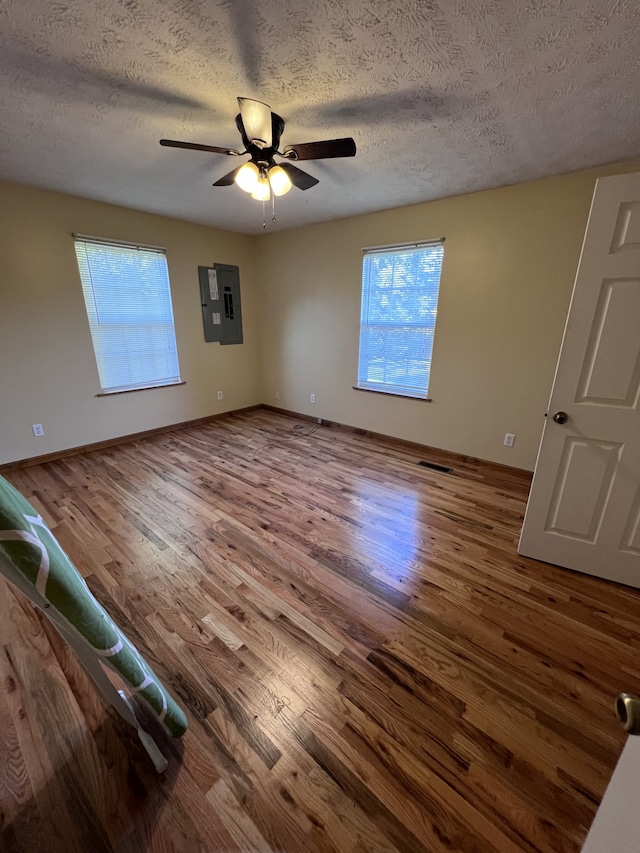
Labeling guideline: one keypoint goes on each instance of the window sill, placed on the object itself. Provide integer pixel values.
(143, 388)
(393, 394)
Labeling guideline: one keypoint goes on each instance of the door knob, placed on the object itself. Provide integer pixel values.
(628, 711)
(561, 417)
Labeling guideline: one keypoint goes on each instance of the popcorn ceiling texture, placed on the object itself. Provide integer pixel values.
(441, 97)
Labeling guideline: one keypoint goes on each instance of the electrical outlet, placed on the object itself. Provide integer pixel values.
(277, 395)
(313, 398)
(509, 439)
(220, 395)
(37, 429)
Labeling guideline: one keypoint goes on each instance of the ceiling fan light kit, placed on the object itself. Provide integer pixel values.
(279, 180)
(261, 176)
(262, 189)
(247, 177)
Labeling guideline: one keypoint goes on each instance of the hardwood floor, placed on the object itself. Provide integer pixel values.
(366, 663)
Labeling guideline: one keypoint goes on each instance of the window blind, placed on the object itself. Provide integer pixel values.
(398, 317)
(128, 300)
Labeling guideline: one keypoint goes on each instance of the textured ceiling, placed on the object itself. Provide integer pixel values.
(441, 97)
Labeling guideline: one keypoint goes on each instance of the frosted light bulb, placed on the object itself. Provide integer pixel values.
(247, 177)
(279, 180)
(262, 190)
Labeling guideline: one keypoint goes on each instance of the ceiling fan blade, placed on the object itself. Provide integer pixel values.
(256, 118)
(195, 146)
(228, 179)
(321, 150)
(299, 178)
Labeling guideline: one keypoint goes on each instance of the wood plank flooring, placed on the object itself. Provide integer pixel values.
(366, 664)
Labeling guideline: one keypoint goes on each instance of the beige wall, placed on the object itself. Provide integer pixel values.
(48, 372)
(509, 265)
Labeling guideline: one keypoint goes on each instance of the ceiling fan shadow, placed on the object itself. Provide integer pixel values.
(247, 22)
(60, 79)
(395, 107)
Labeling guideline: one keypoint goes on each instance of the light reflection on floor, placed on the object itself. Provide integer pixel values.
(389, 553)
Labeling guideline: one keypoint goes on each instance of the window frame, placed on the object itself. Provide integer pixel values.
(105, 354)
(364, 383)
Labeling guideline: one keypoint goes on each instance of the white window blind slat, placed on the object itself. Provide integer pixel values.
(128, 300)
(398, 316)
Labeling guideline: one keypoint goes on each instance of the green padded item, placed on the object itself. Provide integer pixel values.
(31, 548)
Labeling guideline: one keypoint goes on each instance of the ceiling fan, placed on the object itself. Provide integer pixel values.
(261, 176)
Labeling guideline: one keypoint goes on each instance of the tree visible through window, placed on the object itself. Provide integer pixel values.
(398, 317)
(128, 300)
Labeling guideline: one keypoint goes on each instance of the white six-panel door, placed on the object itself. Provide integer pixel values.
(584, 508)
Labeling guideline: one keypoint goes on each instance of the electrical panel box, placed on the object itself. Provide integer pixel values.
(210, 301)
(220, 300)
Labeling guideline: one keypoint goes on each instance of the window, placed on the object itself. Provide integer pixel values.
(128, 299)
(398, 317)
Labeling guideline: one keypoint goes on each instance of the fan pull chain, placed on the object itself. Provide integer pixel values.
(273, 207)
(264, 217)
